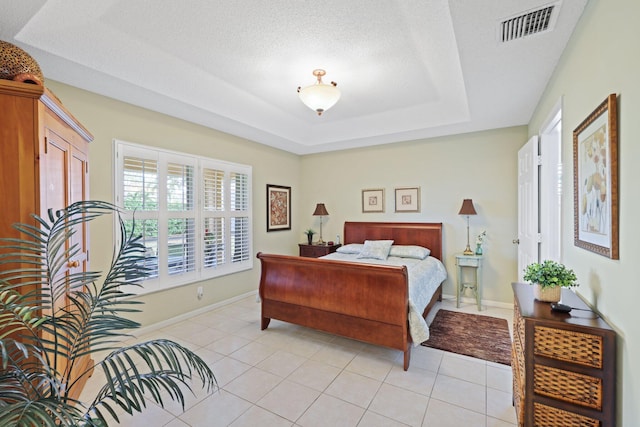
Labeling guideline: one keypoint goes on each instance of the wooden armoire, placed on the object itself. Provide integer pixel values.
(43, 163)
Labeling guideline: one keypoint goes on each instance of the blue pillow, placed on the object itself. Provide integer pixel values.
(351, 248)
(376, 249)
(409, 251)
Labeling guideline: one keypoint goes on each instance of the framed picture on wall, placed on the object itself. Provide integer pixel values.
(373, 200)
(278, 207)
(408, 199)
(595, 180)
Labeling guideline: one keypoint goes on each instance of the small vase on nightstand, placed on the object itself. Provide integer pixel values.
(478, 249)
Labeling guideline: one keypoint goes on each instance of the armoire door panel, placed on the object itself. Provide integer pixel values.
(55, 173)
(43, 165)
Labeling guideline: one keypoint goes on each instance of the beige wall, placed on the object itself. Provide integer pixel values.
(602, 58)
(446, 169)
(108, 119)
(480, 166)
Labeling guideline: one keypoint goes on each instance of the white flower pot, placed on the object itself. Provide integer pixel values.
(547, 294)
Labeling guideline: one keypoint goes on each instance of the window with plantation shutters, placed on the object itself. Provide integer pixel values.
(193, 214)
(140, 184)
(213, 184)
(239, 220)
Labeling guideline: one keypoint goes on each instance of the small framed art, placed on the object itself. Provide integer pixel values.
(373, 200)
(278, 207)
(408, 199)
(595, 180)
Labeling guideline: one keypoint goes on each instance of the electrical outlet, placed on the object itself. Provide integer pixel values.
(200, 292)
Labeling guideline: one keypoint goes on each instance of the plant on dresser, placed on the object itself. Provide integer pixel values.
(548, 278)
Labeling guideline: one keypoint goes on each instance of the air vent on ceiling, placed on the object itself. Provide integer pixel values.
(528, 23)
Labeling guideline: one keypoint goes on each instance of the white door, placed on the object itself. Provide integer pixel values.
(551, 188)
(527, 205)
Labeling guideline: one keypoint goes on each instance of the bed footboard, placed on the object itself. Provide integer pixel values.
(369, 303)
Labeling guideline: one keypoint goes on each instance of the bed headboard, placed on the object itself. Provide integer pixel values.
(427, 234)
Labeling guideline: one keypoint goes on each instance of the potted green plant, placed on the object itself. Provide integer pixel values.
(548, 279)
(309, 232)
(52, 317)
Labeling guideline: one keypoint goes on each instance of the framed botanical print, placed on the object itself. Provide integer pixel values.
(373, 200)
(595, 179)
(408, 199)
(278, 207)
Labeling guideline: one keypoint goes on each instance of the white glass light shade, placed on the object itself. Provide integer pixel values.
(320, 96)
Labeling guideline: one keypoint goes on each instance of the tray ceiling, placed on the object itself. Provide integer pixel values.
(406, 69)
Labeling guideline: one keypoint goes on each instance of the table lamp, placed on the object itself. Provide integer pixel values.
(320, 211)
(467, 209)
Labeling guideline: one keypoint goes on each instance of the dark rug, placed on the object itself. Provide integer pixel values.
(473, 335)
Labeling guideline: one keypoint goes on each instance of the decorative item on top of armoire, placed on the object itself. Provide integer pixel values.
(17, 65)
(467, 209)
(548, 278)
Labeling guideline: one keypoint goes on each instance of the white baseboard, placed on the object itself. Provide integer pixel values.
(148, 329)
(489, 303)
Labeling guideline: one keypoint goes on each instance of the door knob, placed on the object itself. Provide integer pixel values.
(516, 241)
(73, 264)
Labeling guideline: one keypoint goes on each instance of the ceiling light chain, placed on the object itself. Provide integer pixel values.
(319, 96)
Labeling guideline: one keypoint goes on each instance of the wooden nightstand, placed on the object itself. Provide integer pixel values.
(315, 251)
(473, 262)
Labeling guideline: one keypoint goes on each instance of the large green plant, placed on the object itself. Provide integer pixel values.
(38, 329)
(550, 273)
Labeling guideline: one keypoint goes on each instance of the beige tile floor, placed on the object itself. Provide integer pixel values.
(294, 376)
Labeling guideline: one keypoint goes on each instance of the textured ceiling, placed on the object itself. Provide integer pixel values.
(406, 69)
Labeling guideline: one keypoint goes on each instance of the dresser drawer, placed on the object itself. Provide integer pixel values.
(572, 387)
(568, 346)
(468, 262)
(544, 415)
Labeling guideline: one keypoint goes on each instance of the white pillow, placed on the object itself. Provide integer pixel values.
(351, 248)
(409, 251)
(376, 249)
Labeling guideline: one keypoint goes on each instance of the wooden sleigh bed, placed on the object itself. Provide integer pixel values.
(366, 302)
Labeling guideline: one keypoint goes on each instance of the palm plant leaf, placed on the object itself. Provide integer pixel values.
(38, 329)
(46, 412)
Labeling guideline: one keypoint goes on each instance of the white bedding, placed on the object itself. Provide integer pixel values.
(424, 278)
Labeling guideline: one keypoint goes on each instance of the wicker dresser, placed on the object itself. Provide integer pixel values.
(564, 365)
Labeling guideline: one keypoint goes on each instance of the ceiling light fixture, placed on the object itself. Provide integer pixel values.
(319, 96)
